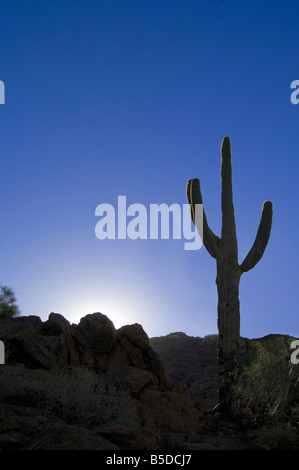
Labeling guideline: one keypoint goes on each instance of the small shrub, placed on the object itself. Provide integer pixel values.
(75, 395)
(263, 381)
(87, 401)
(8, 307)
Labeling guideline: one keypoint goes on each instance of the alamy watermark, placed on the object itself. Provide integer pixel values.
(2, 92)
(153, 224)
(295, 354)
(2, 353)
(295, 94)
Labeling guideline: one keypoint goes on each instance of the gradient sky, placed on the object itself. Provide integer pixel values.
(127, 97)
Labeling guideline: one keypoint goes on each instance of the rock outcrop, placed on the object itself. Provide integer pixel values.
(93, 387)
(122, 360)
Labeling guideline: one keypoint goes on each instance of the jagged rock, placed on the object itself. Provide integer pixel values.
(100, 334)
(120, 358)
(94, 343)
(10, 326)
(143, 404)
(56, 325)
(28, 347)
(131, 348)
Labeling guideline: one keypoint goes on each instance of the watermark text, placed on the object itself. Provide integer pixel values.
(295, 94)
(2, 353)
(136, 222)
(2, 92)
(295, 354)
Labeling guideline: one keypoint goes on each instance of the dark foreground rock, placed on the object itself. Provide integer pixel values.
(125, 400)
(92, 387)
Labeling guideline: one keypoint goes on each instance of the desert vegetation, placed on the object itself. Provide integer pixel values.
(136, 392)
(76, 395)
(224, 250)
(8, 302)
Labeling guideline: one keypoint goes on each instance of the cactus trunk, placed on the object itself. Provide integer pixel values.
(225, 252)
(228, 279)
(229, 339)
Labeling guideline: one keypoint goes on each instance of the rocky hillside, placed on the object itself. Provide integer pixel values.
(191, 363)
(90, 386)
(269, 381)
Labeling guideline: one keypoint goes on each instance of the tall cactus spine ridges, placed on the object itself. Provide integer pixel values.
(225, 251)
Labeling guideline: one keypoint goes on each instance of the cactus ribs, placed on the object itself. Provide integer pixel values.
(225, 251)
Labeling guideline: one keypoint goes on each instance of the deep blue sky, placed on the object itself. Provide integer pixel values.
(116, 97)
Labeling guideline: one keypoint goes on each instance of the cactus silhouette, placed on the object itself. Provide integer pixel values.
(229, 271)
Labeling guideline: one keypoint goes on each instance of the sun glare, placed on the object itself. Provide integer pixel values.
(124, 301)
(119, 313)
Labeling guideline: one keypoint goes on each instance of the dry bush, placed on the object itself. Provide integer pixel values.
(75, 395)
(277, 437)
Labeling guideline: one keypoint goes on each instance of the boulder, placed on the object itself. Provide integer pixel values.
(100, 333)
(56, 325)
(29, 347)
(131, 349)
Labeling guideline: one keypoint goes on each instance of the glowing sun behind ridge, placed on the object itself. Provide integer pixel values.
(115, 310)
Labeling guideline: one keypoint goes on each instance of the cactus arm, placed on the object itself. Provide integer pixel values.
(210, 240)
(225, 251)
(228, 234)
(261, 239)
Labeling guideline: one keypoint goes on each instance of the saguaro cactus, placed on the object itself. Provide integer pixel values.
(229, 271)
